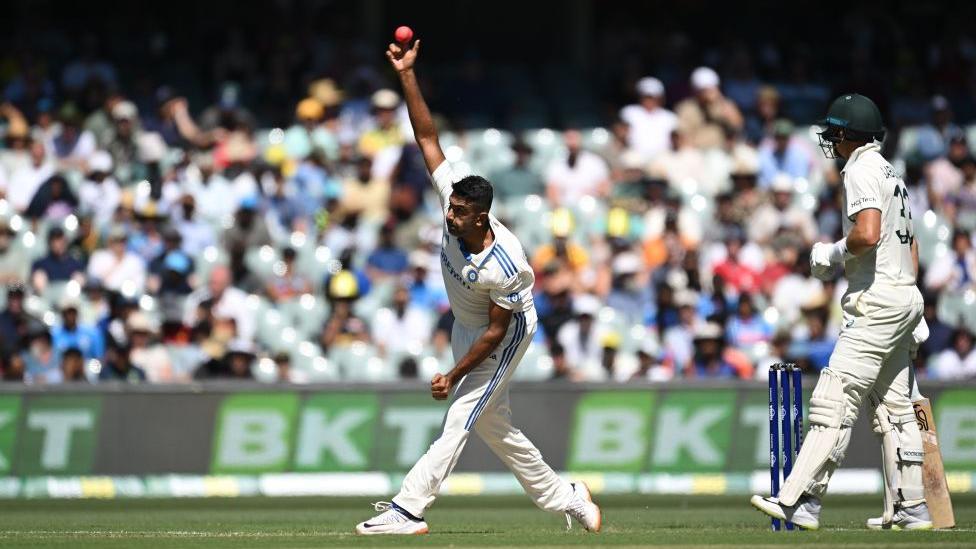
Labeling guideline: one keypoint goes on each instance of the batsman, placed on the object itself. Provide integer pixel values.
(882, 306)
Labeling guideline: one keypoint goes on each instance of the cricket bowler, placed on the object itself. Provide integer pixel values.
(489, 285)
(871, 362)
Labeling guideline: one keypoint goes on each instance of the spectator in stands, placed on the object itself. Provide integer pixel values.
(27, 177)
(705, 117)
(739, 275)
(768, 110)
(812, 349)
(170, 270)
(72, 146)
(387, 259)
(747, 328)
(780, 217)
(365, 193)
(401, 327)
(41, 360)
(562, 252)
(956, 362)
(941, 128)
(709, 357)
(956, 270)
(72, 334)
(13, 260)
(609, 355)
(123, 143)
(650, 123)
(386, 128)
(117, 367)
(679, 337)
(229, 303)
(650, 365)
(960, 207)
(72, 366)
(14, 371)
(53, 201)
(249, 230)
(15, 322)
(781, 153)
(145, 353)
(580, 338)
(58, 266)
(196, 234)
(629, 293)
(944, 174)
(286, 282)
(116, 268)
(518, 179)
(426, 292)
(343, 327)
(940, 333)
(99, 193)
(577, 174)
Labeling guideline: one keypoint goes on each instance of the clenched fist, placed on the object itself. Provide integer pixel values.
(440, 387)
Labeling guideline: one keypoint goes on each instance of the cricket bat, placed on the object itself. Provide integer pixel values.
(933, 474)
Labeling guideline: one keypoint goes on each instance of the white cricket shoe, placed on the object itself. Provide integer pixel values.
(391, 520)
(805, 514)
(915, 517)
(583, 509)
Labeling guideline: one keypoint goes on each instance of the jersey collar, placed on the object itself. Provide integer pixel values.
(859, 151)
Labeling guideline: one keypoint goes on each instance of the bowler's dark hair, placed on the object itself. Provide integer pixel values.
(475, 189)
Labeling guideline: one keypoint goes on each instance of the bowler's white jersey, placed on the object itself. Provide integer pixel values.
(871, 182)
(499, 273)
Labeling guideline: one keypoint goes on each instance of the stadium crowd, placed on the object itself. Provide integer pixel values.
(143, 242)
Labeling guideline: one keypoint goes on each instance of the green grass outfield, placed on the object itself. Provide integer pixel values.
(458, 521)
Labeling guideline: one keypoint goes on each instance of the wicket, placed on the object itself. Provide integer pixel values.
(785, 425)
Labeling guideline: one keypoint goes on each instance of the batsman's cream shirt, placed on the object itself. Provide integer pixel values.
(500, 273)
(871, 182)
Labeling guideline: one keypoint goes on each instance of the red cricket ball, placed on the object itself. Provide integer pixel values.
(403, 34)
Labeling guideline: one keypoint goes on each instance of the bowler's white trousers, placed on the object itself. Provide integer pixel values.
(480, 403)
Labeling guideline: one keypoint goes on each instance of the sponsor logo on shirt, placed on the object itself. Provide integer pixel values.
(450, 269)
(862, 200)
(514, 297)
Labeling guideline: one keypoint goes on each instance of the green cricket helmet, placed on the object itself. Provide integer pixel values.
(851, 117)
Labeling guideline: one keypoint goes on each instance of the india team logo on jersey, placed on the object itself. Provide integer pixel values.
(472, 276)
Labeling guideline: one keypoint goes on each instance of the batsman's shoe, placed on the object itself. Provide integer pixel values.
(583, 509)
(915, 517)
(805, 514)
(391, 520)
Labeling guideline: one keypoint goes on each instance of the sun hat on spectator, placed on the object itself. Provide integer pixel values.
(325, 91)
(343, 285)
(240, 346)
(116, 233)
(586, 305)
(745, 162)
(309, 109)
(783, 128)
(138, 321)
(69, 302)
(649, 346)
(610, 340)
(704, 78)
(782, 183)
(631, 160)
(249, 202)
(177, 261)
(125, 110)
(708, 330)
(99, 162)
(419, 259)
(562, 223)
(626, 263)
(650, 87)
(686, 298)
(618, 223)
(385, 99)
(152, 147)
